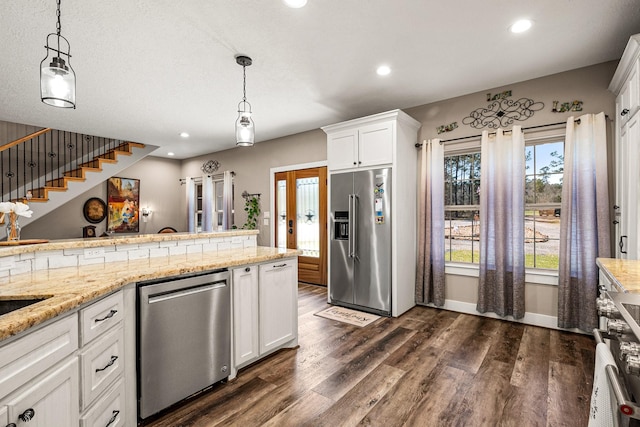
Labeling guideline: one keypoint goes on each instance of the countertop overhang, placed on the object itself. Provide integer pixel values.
(624, 274)
(66, 289)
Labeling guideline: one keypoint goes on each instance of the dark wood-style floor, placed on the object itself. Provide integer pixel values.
(429, 367)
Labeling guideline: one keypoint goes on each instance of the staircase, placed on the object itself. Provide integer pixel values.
(48, 168)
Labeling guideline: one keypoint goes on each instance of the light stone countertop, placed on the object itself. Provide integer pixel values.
(68, 288)
(623, 273)
(131, 239)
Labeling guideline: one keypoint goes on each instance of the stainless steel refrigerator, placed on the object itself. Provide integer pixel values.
(360, 245)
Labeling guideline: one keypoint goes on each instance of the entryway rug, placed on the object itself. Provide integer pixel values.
(346, 315)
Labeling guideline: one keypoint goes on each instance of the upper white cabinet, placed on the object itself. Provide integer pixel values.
(626, 85)
(369, 141)
(368, 145)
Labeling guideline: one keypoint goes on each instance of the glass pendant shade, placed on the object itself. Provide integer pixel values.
(57, 78)
(245, 131)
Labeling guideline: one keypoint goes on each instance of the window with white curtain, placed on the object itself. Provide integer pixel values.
(544, 166)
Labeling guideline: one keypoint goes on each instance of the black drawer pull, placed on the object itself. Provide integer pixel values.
(280, 265)
(108, 316)
(624, 112)
(27, 415)
(111, 362)
(114, 417)
(247, 269)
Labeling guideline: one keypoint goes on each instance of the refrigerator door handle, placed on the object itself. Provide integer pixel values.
(350, 231)
(355, 226)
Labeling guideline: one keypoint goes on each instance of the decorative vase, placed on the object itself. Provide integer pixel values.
(13, 228)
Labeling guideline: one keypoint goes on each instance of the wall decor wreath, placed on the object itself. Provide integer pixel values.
(502, 113)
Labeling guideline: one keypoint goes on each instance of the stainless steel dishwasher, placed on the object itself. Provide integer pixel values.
(184, 337)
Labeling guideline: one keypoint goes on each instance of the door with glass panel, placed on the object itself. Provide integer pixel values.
(301, 222)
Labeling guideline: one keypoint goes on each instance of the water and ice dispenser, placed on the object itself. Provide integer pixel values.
(341, 225)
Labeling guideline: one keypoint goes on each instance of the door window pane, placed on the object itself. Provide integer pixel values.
(307, 214)
(281, 197)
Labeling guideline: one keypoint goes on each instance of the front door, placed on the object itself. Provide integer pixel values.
(301, 223)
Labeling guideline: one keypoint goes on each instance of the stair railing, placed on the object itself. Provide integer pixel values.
(43, 158)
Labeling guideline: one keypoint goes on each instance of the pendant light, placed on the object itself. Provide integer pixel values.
(57, 78)
(245, 131)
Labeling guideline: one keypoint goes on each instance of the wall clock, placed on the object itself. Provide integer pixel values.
(94, 210)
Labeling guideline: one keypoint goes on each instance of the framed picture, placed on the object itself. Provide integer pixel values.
(94, 210)
(123, 202)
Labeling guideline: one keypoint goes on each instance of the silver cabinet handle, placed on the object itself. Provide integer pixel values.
(111, 362)
(108, 316)
(351, 219)
(27, 415)
(114, 417)
(355, 226)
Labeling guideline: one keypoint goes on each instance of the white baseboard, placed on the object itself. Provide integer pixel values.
(533, 319)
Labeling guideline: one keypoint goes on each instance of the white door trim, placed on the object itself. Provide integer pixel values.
(272, 182)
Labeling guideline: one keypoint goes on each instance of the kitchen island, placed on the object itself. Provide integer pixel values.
(78, 343)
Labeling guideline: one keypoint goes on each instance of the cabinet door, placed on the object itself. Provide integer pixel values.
(628, 240)
(50, 401)
(630, 95)
(245, 314)
(375, 145)
(3, 416)
(342, 150)
(278, 303)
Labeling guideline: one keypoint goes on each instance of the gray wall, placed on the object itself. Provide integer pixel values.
(252, 166)
(159, 190)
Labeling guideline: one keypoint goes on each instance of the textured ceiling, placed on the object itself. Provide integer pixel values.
(150, 69)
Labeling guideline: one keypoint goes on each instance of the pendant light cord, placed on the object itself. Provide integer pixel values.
(58, 26)
(244, 83)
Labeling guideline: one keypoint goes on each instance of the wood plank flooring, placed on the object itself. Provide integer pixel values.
(429, 367)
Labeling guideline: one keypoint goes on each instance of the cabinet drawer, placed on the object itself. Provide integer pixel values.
(100, 316)
(101, 363)
(109, 411)
(36, 352)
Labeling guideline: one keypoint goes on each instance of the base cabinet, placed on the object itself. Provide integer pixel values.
(49, 401)
(265, 310)
(278, 304)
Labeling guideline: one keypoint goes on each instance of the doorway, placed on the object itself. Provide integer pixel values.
(301, 219)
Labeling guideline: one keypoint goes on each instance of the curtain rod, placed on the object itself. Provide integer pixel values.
(199, 178)
(577, 121)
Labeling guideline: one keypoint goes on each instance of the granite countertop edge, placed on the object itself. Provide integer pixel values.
(66, 289)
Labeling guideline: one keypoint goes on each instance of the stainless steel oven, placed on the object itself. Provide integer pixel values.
(620, 329)
(184, 337)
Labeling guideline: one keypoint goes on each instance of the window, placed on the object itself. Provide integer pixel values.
(544, 166)
(462, 207)
(543, 195)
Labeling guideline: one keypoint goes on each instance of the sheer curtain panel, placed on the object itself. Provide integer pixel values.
(207, 203)
(430, 274)
(227, 201)
(502, 223)
(584, 223)
(190, 189)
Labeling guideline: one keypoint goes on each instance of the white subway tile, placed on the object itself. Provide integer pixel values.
(194, 249)
(21, 267)
(75, 252)
(210, 247)
(168, 243)
(116, 256)
(88, 261)
(237, 245)
(158, 252)
(178, 250)
(40, 263)
(150, 245)
(124, 248)
(224, 245)
(28, 255)
(138, 254)
(63, 261)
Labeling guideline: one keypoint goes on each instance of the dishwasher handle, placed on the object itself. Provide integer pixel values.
(179, 293)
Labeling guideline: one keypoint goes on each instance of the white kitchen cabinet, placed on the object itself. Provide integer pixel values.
(626, 85)
(49, 401)
(362, 146)
(278, 304)
(265, 310)
(4, 420)
(245, 314)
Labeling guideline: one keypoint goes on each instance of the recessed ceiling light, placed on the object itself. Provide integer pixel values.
(521, 26)
(184, 134)
(383, 70)
(171, 153)
(296, 4)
